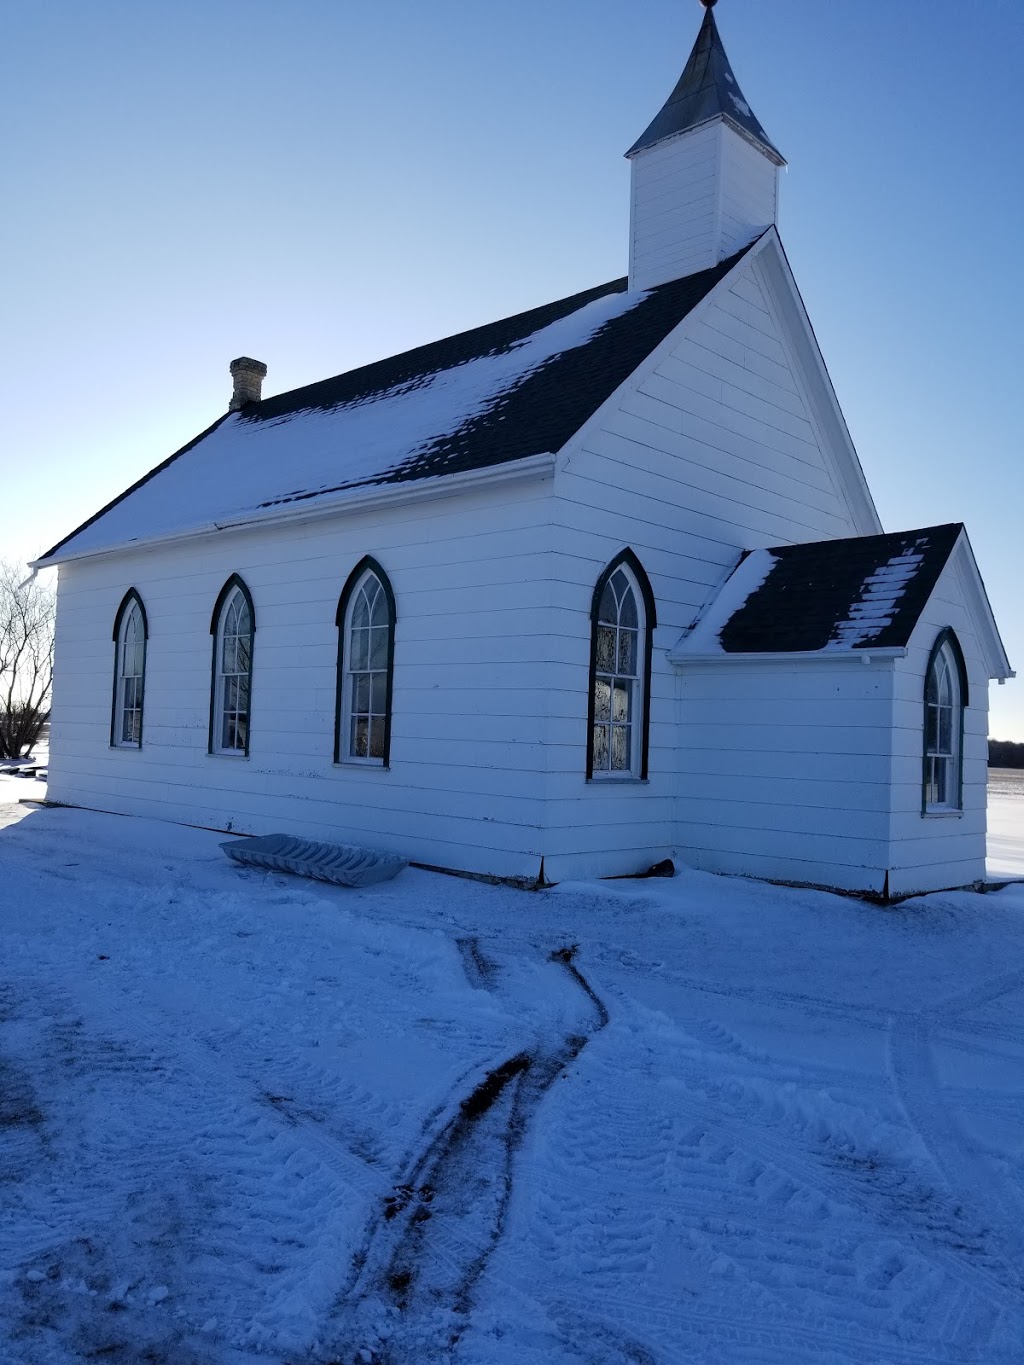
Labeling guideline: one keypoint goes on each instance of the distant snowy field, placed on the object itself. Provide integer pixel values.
(248, 1118)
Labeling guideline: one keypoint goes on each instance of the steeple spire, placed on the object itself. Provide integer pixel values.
(706, 90)
(704, 172)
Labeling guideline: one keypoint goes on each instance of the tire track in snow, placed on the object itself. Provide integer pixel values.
(253, 1190)
(430, 1244)
(880, 1194)
(701, 1165)
(964, 1167)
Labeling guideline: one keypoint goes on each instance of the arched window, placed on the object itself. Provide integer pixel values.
(130, 635)
(622, 619)
(366, 656)
(232, 626)
(945, 696)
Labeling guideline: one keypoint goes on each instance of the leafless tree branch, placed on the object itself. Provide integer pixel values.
(27, 615)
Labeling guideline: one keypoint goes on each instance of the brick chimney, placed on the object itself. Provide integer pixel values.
(248, 376)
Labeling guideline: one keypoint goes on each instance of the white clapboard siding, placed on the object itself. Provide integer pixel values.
(696, 199)
(930, 852)
(471, 576)
(786, 765)
(711, 449)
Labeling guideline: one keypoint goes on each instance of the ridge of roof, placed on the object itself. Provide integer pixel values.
(706, 90)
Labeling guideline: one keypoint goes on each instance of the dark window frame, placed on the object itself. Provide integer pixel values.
(366, 565)
(946, 636)
(235, 581)
(130, 599)
(628, 559)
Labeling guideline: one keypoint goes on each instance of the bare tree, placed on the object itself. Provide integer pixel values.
(27, 615)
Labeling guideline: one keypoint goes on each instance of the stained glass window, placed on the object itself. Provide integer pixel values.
(618, 682)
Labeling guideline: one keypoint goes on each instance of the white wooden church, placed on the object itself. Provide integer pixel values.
(563, 596)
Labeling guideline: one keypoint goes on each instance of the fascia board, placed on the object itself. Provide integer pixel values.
(776, 278)
(383, 496)
(817, 656)
(976, 595)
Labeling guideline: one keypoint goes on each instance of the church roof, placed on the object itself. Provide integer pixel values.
(707, 89)
(515, 388)
(829, 596)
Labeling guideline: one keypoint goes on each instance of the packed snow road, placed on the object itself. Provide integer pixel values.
(246, 1118)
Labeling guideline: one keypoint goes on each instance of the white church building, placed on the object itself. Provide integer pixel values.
(585, 589)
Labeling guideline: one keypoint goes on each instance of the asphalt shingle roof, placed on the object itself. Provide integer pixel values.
(514, 388)
(859, 593)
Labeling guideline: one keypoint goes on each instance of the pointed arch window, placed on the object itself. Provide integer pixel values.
(945, 697)
(366, 657)
(622, 619)
(130, 635)
(233, 627)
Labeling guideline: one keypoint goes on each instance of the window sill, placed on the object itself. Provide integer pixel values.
(371, 765)
(226, 753)
(940, 814)
(613, 780)
(127, 748)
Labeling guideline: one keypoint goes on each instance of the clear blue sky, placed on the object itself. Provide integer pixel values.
(324, 182)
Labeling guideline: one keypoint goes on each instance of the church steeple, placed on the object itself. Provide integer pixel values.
(704, 172)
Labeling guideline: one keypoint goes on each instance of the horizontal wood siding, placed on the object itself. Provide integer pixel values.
(709, 450)
(465, 786)
(697, 199)
(931, 852)
(675, 208)
(784, 770)
(749, 198)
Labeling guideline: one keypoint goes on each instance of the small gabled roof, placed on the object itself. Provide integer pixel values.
(515, 388)
(706, 90)
(858, 594)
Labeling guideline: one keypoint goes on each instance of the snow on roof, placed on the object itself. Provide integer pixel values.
(876, 605)
(515, 388)
(705, 634)
(826, 597)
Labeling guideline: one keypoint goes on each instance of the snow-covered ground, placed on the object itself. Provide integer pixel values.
(1006, 822)
(248, 1118)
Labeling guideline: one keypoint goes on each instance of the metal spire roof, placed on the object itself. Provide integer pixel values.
(706, 90)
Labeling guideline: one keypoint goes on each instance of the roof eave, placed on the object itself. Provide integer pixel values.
(355, 500)
(644, 144)
(865, 654)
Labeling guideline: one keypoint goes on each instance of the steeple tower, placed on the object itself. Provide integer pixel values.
(705, 175)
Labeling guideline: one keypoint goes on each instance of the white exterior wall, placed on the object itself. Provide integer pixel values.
(696, 199)
(749, 199)
(465, 785)
(930, 852)
(714, 448)
(785, 770)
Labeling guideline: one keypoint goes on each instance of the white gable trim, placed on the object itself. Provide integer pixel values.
(976, 597)
(773, 274)
(357, 500)
(776, 279)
